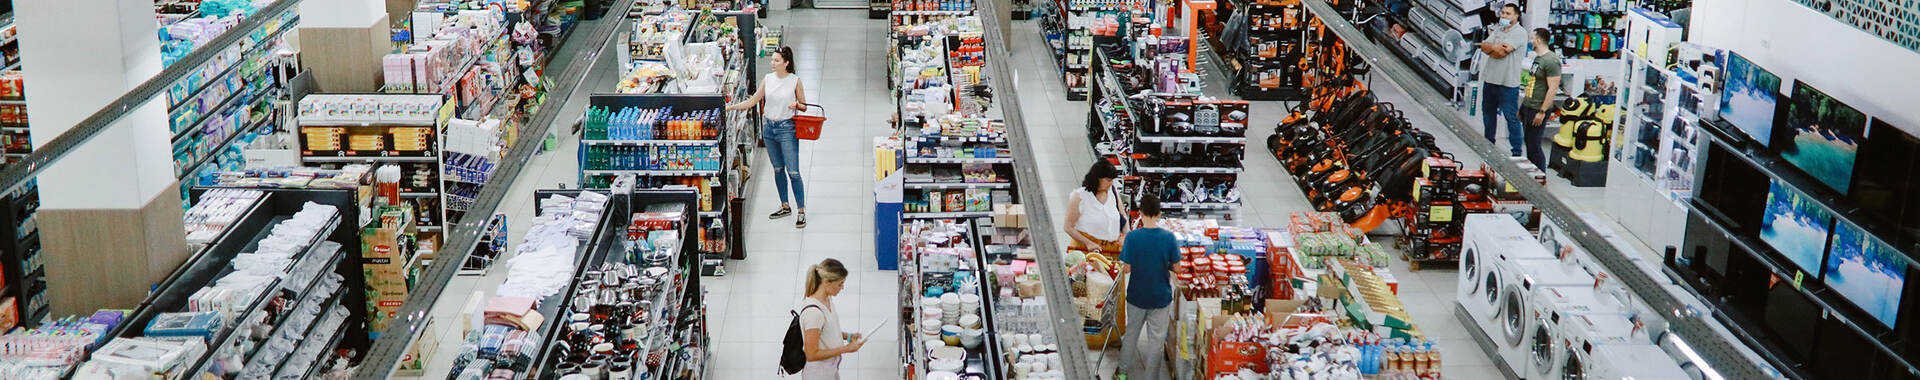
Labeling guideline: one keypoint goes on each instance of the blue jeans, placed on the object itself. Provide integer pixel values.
(1497, 100)
(784, 150)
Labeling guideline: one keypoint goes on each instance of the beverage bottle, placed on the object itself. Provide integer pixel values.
(619, 125)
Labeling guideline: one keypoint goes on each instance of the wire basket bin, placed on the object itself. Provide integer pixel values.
(807, 127)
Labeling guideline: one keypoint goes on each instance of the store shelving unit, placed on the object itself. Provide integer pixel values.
(227, 100)
(1587, 29)
(244, 235)
(1270, 64)
(1151, 151)
(727, 182)
(715, 182)
(1437, 41)
(20, 260)
(325, 143)
(1653, 143)
(909, 80)
(1069, 27)
(677, 320)
(914, 280)
(927, 174)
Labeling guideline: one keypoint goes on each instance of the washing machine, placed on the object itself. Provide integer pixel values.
(1618, 362)
(1559, 329)
(1490, 241)
(1516, 317)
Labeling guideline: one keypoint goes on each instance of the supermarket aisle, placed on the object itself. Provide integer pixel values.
(1268, 193)
(547, 170)
(840, 56)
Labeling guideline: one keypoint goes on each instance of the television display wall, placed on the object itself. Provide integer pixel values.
(1821, 136)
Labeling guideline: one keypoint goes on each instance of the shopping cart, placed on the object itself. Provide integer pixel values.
(1110, 316)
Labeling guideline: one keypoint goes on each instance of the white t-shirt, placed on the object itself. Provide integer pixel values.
(1100, 220)
(822, 318)
(780, 95)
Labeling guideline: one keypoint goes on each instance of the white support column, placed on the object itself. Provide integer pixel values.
(112, 199)
(342, 41)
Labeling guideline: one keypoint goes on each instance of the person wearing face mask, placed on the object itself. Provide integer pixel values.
(1500, 77)
(1546, 85)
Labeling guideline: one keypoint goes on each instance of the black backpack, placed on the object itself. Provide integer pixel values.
(793, 354)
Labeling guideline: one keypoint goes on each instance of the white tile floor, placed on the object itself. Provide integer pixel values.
(841, 57)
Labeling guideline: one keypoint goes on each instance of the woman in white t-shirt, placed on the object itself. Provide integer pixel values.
(1093, 211)
(781, 93)
(820, 323)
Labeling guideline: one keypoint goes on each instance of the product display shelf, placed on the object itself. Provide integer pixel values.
(1420, 51)
(606, 235)
(1661, 136)
(1019, 322)
(686, 294)
(20, 259)
(1268, 64)
(1111, 113)
(1183, 148)
(610, 246)
(925, 75)
(1752, 326)
(327, 142)
(194, 127)
(227, 337)
(271, 114)
(943, 264)
(1077, 19)
(243, 235)
(1587, 29)
(312, 327)
(210, 76)
(939, 184)
(709, 161)
(449, 85)
(338, 333)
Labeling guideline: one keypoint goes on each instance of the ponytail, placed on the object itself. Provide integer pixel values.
(826, 270)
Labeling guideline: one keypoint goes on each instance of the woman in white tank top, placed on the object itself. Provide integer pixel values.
(782, 95)
(1094, 219)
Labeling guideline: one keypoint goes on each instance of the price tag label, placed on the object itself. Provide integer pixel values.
(1441, 214)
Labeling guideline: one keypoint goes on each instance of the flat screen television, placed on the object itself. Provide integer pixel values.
(1792, 319)
(1797, 227)
(1884, 186)
(1821, 136)
(1867, 272)
(1750, 98)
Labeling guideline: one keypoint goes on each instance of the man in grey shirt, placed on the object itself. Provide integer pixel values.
(1500, 76)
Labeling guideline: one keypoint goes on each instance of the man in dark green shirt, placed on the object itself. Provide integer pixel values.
(1546, 85)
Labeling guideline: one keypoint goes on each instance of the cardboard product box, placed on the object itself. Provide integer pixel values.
(1231, 357)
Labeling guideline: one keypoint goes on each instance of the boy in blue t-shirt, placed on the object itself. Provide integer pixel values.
(1149, 253)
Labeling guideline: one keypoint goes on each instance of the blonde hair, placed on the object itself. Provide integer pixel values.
(827, 270)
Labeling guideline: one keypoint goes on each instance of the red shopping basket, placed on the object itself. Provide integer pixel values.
(807, 127)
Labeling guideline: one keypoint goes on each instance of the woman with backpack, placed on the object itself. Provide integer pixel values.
(819, 324)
